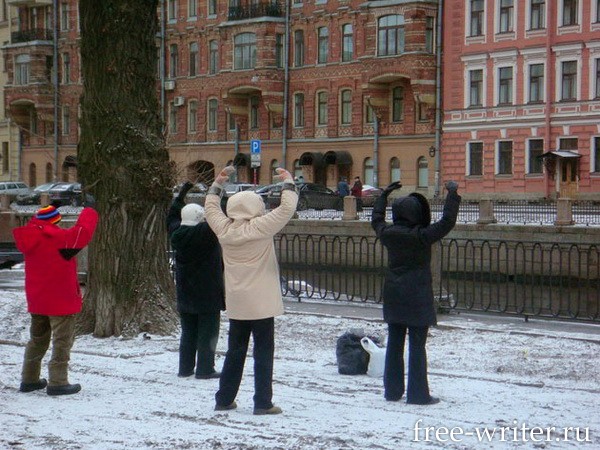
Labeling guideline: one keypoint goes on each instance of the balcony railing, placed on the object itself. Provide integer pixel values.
(35, 34)
(261, 9)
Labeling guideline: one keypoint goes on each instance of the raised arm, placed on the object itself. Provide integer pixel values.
(442, 227)
(379, 208)
(215, 216)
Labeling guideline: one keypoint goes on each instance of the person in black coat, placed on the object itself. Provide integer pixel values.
(200, 287)
(408, 292)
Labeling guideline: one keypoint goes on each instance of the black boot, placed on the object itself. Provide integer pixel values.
(29, 387)
(66, 389)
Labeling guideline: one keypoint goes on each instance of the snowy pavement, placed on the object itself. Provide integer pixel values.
(493, 376)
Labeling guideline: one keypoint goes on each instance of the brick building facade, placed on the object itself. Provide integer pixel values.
(522, 97)
(360, 88)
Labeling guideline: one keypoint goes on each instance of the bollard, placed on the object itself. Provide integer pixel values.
(564, 212)
(486, 212)
(4, 202)
(349, 208)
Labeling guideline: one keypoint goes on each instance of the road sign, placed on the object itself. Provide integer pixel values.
(254, 160)
(255, 147)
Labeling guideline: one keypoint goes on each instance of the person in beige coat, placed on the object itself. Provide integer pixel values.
(252, 284)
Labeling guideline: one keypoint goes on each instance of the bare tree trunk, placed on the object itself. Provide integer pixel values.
(123, 162)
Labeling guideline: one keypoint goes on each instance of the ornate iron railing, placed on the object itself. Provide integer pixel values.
(253, 10)
(35, 34)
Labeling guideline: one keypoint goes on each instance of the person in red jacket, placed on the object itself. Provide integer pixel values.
(53, 294)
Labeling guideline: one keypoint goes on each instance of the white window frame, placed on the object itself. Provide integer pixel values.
(593, 161)
(528, 28)
(192, 12)
(172, 18)
(528, 155)
(595, 23)
(468, 22)
(497, 158)
(531, 57)
(502, 60)
(565, 53)
(497, 18)
(468, 158)
(474, 62)
(192, 126)
(594, 55)
(559, 16)
(209, 116)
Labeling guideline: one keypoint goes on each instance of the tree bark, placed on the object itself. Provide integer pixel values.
(124, 164)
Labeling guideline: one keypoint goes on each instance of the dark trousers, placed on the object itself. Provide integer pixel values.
(393, 377)
(198, 343)
(263, 334)
(61, 329)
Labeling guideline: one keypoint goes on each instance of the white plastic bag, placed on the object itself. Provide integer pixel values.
(376, 357)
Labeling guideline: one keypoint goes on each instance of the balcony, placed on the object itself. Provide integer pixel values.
(35, 34)
(254, 10)
(18, 3)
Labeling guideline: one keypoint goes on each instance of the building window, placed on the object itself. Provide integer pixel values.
(245, 51)
(597, 78)
(66, 120)
(569, 80)
(193, 59)
(173, 60)
(231, 124)
(213, 57)
(254, 112)
(347, 43)
(212, 7)
(22, 69)
(64, 16)
(192, 116)
(298, 48)
(422, 112)
(299, 110)
(279, 50)
(505, 157)
(476, 87)
(212, 115)
(66, 68)
(536, 83)
(395, 172)
(506, 16)
(274, 165)
(369, 114)
(597, 11)
(369, 172)
(505, 80)
(534, 153)
(397, 104)
(172, 9)
(429, 34)
(568, 144)
(569, 13)
(192, 8)
(595, 150)
(49, 172)
(33, 121)
(390, 35)
(346, 106)
(322, 108)
(476, 10)
(422, 172)
(538, 15)
(475, 159)
(172, 118)
(323, 38)
(5, 160)
(32, 174)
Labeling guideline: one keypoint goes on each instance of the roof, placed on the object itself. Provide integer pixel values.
(560, 154)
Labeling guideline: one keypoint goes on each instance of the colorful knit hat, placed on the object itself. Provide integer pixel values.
(49, 213)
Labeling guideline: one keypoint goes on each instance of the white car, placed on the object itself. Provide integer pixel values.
(13, 188)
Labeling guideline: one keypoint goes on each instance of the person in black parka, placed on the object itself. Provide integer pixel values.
(200, 287)
(408, 292)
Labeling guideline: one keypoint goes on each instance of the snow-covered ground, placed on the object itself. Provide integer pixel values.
(489, 376)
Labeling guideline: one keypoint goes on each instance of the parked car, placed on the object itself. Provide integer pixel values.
(196, 194)
(33, 197)
(311, 196)
(66, 194)
(370, 194)
(13, 188)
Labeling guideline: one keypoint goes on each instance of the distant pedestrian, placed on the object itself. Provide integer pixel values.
(408, 302)
(53, 294)
(356, 191)
(343, 188)
(252, 284)
(200, 289)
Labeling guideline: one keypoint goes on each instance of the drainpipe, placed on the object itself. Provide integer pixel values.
(20, 153)
(162, 62)
(549, 93)
(376, 151)
(286, 85)
(438, 98)
(236, 148)
(56, 86)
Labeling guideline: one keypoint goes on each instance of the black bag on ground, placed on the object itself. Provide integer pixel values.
(352, 358)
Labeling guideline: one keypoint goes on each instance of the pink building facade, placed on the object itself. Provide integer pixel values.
(521, 98)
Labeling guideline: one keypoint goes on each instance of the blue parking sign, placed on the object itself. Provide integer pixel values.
(255, 146)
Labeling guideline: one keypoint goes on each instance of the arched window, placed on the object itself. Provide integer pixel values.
(212, 114)
(346, 107)
(390, 35)
(244, 51)
(192, 116)
(368, 172)
(347, 43)
(395, 173)
(213, 57)
(322, 108)
(423, 172)
(297, 170)
(397, 104)
(193, 59)
(323, 44)
(32, 175)
(274, 165)
(173, 61)
(49, 172)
